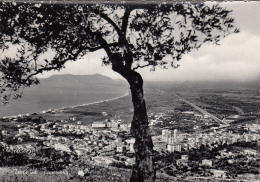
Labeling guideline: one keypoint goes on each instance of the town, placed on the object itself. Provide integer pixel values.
(204, 148)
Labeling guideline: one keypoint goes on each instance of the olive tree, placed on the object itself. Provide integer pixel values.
(133, 35)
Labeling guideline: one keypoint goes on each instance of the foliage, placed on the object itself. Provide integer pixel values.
(10, 159)
(142, 34)
(166, 159)
(120, 165)
(46, 159)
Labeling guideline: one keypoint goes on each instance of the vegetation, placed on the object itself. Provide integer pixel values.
(45, 159)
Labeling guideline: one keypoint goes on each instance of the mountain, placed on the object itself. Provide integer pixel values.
(68, 78)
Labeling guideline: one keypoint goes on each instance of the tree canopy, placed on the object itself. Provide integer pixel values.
(154, 35)
(133, 35)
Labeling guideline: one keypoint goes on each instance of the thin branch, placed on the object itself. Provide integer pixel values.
(45, 69)
(138, 66)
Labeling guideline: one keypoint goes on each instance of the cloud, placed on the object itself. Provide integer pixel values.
(246, 15)
(237, 58)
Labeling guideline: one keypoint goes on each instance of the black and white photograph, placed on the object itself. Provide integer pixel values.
(139, 91)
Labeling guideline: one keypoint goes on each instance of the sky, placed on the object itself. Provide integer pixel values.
(236, 59)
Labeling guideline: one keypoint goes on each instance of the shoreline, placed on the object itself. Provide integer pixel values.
(97, 102)
(68, 107)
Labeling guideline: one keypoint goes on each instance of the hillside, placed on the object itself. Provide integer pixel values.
(81, 79)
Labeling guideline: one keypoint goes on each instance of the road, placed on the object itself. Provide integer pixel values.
(199, 109)
(239, 110)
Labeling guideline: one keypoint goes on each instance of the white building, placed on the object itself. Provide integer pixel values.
(62, 147)
(219, 173)
(206, 162)
(250, 152)
(98, 125)
(174, 147)
(131, 142)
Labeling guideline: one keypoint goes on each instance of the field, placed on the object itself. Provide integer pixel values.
(221, 99)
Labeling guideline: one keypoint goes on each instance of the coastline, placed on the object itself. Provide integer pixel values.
(68, 107)
(97, 102)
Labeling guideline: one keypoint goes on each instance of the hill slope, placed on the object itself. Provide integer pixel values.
(85, 79)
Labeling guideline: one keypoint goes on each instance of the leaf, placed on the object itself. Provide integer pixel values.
(193, 38)
(236, 30)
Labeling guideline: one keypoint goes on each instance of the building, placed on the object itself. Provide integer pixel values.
(124, 126)
(159, 145)
(44, 126)
(172, 147)
(250, 152)
(131, 142)
(107, 152)
(186, 157)
(104, 113)
(131, 148)
(73, 118)
(152, 122)
(175, 134)
(104, 161)
(206, 162)
(120, 148)
(109, 123)
(183, 161)
(98, 125)
(130, 161)
(188, 112)
(114, 124)
(218, 173)
(81, 151)
(62, 147)
(253, 127)
(165, 133)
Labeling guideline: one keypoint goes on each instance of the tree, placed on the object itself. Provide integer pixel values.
(133, 35)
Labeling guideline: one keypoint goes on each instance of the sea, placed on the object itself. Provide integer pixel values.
(41, 97)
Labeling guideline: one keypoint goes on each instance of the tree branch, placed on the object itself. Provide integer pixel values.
(138, 66)
(125, 19)
(109, 20)
(46, 69)
(104, 44)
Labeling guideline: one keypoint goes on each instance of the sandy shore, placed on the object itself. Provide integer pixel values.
(98, 102)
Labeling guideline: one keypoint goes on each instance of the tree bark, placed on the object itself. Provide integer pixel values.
(144, 166)
(143, 169)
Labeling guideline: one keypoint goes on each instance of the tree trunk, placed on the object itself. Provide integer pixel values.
(144, 166)
(143, 169)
